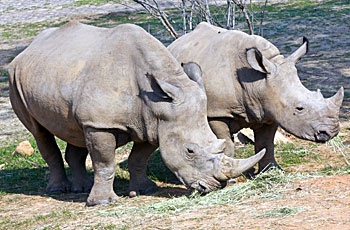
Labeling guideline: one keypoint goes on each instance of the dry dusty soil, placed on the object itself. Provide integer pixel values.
(314, 201)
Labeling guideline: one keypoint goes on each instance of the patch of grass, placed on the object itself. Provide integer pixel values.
(280, 212)
(335, 170)
(337, 144)
(267, 184)
(46, 221)
(91, 2)
(291, 154)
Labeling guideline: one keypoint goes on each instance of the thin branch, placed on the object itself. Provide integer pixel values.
(155, 11)
(262, 12)
(242, 7)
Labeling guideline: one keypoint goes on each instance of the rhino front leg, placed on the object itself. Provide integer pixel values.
(140, 184)
(264, 138)
(221, 129)
(76, 157)
(101, 145)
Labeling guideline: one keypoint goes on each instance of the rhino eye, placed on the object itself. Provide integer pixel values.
(299, 108)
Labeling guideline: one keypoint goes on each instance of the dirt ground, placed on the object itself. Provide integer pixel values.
(311, 203)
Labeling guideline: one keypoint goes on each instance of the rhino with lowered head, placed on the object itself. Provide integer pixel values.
(250, 84)
(98, 89)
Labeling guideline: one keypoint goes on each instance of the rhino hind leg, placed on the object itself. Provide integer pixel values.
(264, 138)
(140, 184)
(49, 150)
(101, 145)
(76, 157)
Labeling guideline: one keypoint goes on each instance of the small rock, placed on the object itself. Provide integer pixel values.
(132, 194)
(246, 136)
(24, 148)
(281, 139)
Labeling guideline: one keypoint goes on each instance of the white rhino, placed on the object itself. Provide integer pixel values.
(250, 84)
(99, 88)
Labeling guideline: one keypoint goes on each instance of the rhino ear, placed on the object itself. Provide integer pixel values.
(258, 62)
(173, 92)
(194, 72)
(301, 51)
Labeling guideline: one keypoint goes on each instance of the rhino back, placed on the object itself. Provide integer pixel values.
(79, 75)
(220, 53)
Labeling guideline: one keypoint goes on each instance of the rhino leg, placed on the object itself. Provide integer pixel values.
(76, 157)
(264, 137)
(221, 129)
(140, 184)
(101, 145)
(49, 150)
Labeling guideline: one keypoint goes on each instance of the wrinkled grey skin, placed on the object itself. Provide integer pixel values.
(250, 84)
(98, 89)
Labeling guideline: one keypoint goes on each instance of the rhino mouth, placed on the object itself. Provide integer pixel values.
(322, 137)
(205, 187)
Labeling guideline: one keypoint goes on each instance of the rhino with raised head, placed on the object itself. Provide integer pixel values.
(99, 88)
(250, 84)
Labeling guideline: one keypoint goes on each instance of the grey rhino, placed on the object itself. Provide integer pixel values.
(250, 84)
(99, 88)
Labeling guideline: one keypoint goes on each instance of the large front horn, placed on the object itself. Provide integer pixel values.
(301, 51)
(232, 168)
(337, 99)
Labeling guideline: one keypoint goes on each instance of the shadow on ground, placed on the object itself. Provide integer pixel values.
(33, 181)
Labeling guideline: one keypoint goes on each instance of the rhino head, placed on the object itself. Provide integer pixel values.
(188, 146)
(304, 113)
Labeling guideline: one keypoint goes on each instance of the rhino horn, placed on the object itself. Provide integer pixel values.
(337, 99)
(232, 168)
(301, 51)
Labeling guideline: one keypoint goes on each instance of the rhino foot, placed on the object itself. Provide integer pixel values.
(250, 174)
(269, 166)
(99, 200)
(82, 186)
(146, 187)
(63, 186)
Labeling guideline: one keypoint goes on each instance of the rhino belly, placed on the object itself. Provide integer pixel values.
(52, 106)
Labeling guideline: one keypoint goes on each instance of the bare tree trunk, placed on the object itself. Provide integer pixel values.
(184, 16)
(233, 17)
(207, 12)
(229, 6)
(191, 16)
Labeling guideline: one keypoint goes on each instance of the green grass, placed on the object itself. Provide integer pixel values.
(293, 155)
(91, 2)
(280, 212)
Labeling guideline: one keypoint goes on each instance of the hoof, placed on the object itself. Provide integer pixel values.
(268, 167)
(250, 174)
(82, 188)
(93, 202)
(63, 187)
